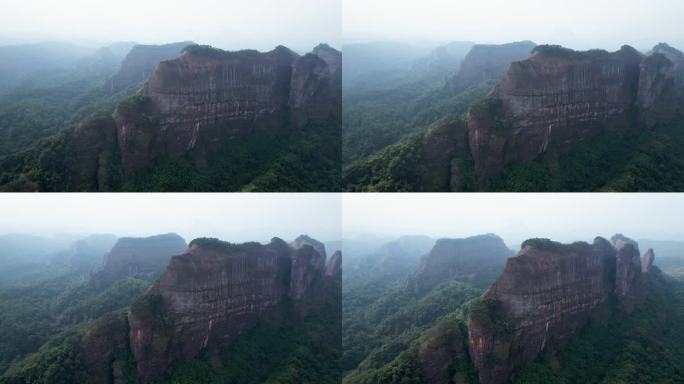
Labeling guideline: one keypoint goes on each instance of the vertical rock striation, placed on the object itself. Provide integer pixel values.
(558, 98)
(647, 263)
(215, 291)
(208, 97)
(549, 291)
(460, 259)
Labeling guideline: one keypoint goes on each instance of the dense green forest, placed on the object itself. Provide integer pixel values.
(392, 335)
(45, 323)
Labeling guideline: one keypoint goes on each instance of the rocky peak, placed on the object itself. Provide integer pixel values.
(141, 61)
(334, 264)
(208, 97)
(619, 241)
(647, 263)
(555, 99)
(217, 290)
(548, 291)
(138, 257)
(470, 259)
(488, 62)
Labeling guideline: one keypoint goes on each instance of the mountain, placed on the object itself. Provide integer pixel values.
(87, 254)
(556, 313)
(472, 259)
(140, 63)
(560, 120)
(259, 312)
(141, 257)
(208, 120)
(487, 62)
(396, 96)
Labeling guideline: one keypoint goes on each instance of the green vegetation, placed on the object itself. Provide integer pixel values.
(554, 246)
(378, 327)
(645, 347)
(627, 160)
(44, 314)
(374, 120)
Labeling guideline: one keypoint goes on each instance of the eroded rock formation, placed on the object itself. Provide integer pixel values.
(215, 291)
(141, 257)
(470, 259)
(140, 63)
(557, 98)
(488, 62)
(208, 97)
(647, 262)
(549, 291)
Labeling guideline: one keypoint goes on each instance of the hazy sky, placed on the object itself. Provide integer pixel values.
(233, 217)
(516, 217)
(578, 24)
(229, 24)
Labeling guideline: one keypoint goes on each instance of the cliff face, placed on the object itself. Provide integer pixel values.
(142, 257)
(141, 61)
(488, 62)
(469, 259)
(208, 97)
(548, 291)
(214, 292)
(559, 97)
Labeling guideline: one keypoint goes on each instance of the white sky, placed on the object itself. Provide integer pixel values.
(236, 217)
(516, 217)
(229, 24)
(578, 24)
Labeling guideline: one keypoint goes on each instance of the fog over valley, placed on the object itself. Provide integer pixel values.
(232, 25)
(581, 24)
(229, 217)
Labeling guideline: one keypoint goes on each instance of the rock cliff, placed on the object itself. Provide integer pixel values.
(647, 263)
(141, 257)
(549, 291)
(208, 97)
(486, 63)
(471, 259)
(140, 63)
(558, 98)
(214, 292)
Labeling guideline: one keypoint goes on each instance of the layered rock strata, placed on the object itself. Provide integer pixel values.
(549, 291)
(214, 292)
(208, 97)
(558, 98)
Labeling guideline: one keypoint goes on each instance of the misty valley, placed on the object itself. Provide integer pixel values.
(473, 310)
(168, 117)
(510, 117)
(103, 309)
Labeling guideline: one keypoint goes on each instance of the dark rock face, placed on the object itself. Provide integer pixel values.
(99, 346)
(559, 97)
(208, 97)
(488, 62)
(647, 263)
(213, 293)
(674, 55)
(548, 291)
(142, 257)
(140, 63)
(334, 264)
(460, 259)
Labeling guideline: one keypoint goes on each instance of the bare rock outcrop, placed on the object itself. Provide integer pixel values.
(461, 259)
(549, 291)
(140, 63)
(138, 257)
(208, 97)
(334, 266)
(558, 98)
(647, 262)
(487, 62)
(214, 292)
